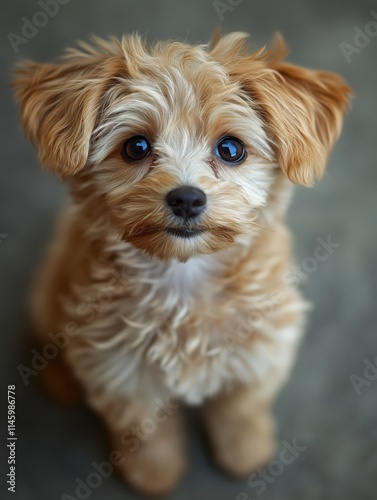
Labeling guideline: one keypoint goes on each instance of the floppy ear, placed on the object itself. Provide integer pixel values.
(59, 106)
(302, 109)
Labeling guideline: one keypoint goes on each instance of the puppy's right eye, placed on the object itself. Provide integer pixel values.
(136, 148)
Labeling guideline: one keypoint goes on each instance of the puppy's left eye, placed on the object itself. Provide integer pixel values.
(231, 150)
(136, 148)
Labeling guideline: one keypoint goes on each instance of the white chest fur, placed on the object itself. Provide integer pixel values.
(167, 335)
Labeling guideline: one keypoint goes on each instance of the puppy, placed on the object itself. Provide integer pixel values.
(170, 271)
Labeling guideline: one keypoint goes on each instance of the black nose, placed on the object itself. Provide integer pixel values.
(186, 201)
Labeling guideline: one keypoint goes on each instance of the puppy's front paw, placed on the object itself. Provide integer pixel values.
(244, 445)
(155, 467)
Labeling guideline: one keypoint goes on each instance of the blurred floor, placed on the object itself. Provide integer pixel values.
(319, 407)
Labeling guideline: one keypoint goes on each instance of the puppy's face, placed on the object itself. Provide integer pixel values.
(181, 155)
(183, 143)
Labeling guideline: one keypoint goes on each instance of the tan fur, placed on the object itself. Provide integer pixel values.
(159, 316)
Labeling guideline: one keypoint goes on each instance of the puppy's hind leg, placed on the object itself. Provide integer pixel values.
(59, 383)
(48, 317)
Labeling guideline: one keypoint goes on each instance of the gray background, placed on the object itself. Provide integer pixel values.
(319, 407)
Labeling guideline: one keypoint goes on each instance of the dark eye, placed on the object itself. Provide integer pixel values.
(231, 150)
(136, 148)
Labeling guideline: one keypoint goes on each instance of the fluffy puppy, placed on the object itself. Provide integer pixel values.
(170, 269)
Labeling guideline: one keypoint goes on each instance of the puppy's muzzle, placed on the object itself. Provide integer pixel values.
(186, 202)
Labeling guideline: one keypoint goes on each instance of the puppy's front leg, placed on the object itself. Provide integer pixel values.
(241, 430)
(150, 440)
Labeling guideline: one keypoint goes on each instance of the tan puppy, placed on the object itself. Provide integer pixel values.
(172, 263)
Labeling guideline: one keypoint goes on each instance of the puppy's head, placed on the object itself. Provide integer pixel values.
(183, 143)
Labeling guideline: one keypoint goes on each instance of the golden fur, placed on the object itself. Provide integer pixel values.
(161, 316)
